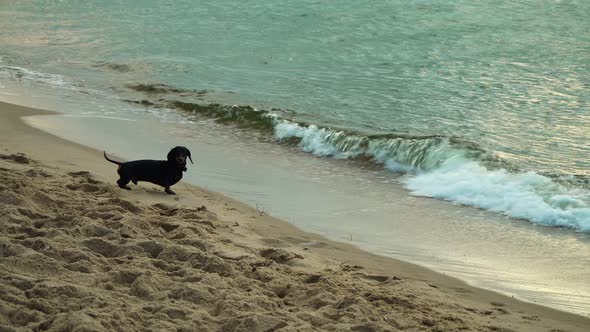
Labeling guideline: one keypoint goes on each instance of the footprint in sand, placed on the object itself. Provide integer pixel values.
(19, 158)
(279, 255)
(314, 278)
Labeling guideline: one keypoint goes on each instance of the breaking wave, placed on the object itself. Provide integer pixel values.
(523, 195)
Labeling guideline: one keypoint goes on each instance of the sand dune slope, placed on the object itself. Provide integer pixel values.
(76, 256)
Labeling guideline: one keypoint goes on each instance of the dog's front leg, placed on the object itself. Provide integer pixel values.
(169, 191)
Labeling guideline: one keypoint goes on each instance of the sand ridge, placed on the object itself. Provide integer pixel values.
(76, 256)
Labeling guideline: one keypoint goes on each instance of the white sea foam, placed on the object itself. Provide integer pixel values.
(27, 77)
(522, 195)
(24, 73)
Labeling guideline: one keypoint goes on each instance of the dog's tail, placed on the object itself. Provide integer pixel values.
(107, 158)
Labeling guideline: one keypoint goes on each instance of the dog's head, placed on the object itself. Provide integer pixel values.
(178, 155)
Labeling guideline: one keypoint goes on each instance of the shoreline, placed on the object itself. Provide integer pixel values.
(262, 231)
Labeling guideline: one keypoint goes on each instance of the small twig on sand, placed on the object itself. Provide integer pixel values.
(231, 258)
(346, 267)
(260, 211)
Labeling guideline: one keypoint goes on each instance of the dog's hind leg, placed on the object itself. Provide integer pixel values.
(122, 182)
(169, 191)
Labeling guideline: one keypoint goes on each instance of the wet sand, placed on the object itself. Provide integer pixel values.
(77, 253)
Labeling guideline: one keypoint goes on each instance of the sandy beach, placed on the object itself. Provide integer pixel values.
(79, 254)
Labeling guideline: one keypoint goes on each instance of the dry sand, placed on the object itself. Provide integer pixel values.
(79, 254)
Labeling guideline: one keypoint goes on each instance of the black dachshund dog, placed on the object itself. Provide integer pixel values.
(161, 172)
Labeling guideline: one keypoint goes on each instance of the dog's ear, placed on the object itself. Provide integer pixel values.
(188, 153)
(171, 154)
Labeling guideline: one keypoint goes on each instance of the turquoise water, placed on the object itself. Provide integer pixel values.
(484, 104)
